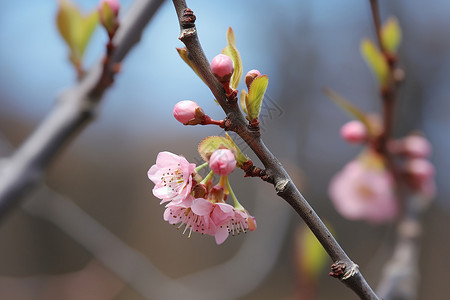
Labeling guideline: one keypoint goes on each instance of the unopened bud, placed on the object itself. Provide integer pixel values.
(416, 146)
(222, 162)
(420, 168)
(188, 112)
(251, 75)
(222, 68)
(108, 10)
(354, 132)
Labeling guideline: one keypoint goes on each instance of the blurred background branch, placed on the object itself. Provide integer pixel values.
(74, 110)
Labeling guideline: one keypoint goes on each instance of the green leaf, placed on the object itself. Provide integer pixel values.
(86, 28)
(351, 109)
(391, 35)
(311, 255)
(244, 96)
(232, 52)
(108, 17)
(255, 96)
(75, 28)
(210, 144)
(64, 20)
(185, 57)
(376, 61)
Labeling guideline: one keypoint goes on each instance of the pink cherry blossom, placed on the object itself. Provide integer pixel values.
(172, 175)
(413, 146)
(187, 112)
(420, 175)
(194, 214)
(215, 219)
(354, 132)
(222, 67)
(361, 191)
(222, 162)
(230, 220)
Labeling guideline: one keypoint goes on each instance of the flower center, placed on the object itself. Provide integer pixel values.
(236, 226)
(192, 221)
(173, 179)
(365, 192)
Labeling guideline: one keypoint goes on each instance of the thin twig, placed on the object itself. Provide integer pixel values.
(75, 109)
(389, 91)
(343, 267)
(377, 21)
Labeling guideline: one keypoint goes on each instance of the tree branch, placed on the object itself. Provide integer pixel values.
(343, 267)
(75, 109)
(389, 92)
(401, 273)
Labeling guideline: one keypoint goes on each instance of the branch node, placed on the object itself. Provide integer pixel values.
(185, 33)
(341, 270)
(280, 187)
(187, 19)
(253, 171)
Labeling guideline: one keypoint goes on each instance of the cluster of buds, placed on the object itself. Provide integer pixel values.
(365, 188)
(197, 203)
(414, 152)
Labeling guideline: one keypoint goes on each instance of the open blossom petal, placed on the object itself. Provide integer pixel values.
(362, 192)
(230, 220)
(185, 215)
(172, 175)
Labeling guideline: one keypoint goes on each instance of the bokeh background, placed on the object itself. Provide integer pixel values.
(98, 225)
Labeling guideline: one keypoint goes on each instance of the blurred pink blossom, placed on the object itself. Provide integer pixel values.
(364, 190)
(172, 175)
(420, 174)
(420, 168)
(354, 132)
(412, 145)
(416, 146)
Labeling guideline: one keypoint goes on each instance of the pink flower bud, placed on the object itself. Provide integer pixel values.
(416, 146)
(114, 5)
(188, 112)
(222, 162)
(108, 10)
(420, 168)
(354, 132)
(251, 75)
(222, 68)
